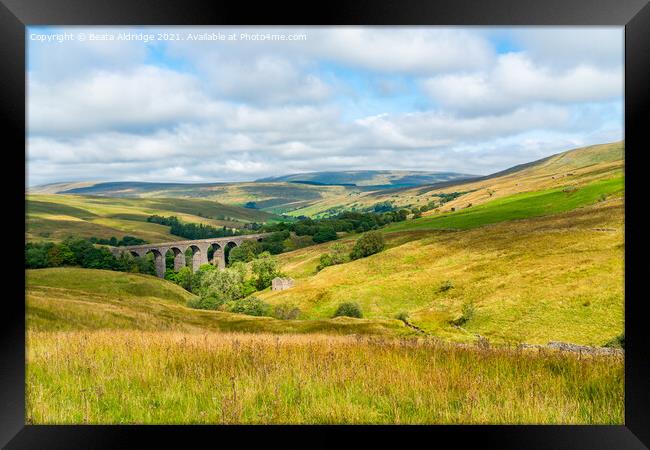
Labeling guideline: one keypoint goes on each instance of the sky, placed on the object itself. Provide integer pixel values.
(218, 104)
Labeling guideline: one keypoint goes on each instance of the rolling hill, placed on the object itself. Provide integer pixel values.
(273, 197)
(323, 193)
(54, 217)
(568, 169)
(377, 179)
(65, 299)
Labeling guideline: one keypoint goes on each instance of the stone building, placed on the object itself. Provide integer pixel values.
(280, 284)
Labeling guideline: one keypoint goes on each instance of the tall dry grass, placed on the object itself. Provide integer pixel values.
(170, 377)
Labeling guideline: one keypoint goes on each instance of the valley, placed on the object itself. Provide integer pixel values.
(449, 306)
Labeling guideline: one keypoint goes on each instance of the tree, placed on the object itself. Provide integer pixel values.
(324, 234)
(348, 309)
(245, 252)
(60, 255)
(370, 243)
(265, 267)
(36, 256)
(221, 286)
(185, 278)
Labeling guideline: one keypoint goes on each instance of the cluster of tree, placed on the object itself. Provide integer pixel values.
(370, 243)
(381, 207)
(324, 230)
(192, 230)
(82, 253)
(230, 289)
(126, 240)
(444, 198)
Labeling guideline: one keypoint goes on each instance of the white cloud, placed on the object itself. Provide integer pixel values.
(103, 100)
(515, 80)
(407, 50)
(570, 46)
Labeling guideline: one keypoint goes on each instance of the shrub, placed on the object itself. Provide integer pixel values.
(445, 286)
(206, 302)
(339, 254)
(370, 243)
(348, 309)
(403, 316)
(286, 311)
(617, 342)
(467, 313)
(325, 261)
(251, 306)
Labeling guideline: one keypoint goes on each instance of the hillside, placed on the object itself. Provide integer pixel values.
(273, 197)
(67, 299)
(575, 167)
(552, 277)
(371, 178)
(55, 216)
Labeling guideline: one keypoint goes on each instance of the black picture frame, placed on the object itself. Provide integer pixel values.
(634, 15)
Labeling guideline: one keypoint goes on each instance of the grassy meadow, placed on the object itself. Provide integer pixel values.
(111, 377)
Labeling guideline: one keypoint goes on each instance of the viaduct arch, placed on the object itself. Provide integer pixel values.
(199, 247)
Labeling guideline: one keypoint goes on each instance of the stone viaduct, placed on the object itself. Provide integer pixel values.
(199, 249)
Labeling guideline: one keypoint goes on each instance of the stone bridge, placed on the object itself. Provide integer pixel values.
(199, 249)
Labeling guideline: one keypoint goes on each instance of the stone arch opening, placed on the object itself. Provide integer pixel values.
(226, 250)
(199, 256)
(175, 257)
(216, 255)
(134, 253)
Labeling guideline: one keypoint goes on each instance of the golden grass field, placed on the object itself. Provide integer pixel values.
(112, 377)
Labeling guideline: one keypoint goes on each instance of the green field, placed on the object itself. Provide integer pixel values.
(519, 206)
